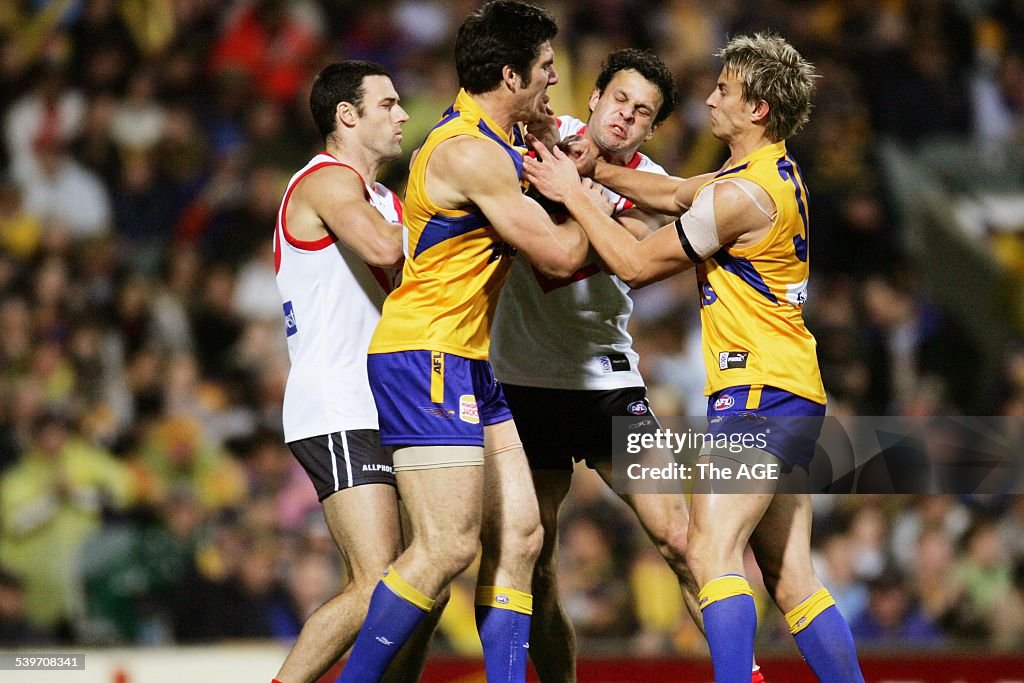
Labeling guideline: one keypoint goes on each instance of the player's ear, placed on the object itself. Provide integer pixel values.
(760, 112)
(346, 114)
(594, 97)
(509, 77)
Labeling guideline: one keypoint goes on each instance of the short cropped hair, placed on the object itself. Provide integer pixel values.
(503, 32)
(340, 82)
(772, 70)
(648, 65)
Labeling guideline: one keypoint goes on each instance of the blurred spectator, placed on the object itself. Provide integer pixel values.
(918, 357)
(893, 617)
(272, 41)
(837, 569)
(50, 503)
(986, 574)
(51, 112)
(176, 453)
(63, 193)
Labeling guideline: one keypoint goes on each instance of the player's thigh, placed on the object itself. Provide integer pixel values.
(663, 515)
(365, 525)
(510, 502)
(723, 521)
(442, 502)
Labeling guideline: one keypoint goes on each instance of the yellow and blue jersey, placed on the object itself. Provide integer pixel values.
(455, 260)
(751, 298)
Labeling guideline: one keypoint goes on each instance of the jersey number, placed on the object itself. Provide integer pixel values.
(788, 170)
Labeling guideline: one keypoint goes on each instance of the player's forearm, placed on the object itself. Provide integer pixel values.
(616, 246)
(650, 191)
(566, 251)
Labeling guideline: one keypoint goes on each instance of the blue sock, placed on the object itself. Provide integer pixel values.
(396, 609)
(730, 623)
(824, 639)
(503, 621)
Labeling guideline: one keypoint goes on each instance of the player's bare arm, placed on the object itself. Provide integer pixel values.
(641, 223)
(654, 192)
(470, 171)
(333, 200)
(728, 215)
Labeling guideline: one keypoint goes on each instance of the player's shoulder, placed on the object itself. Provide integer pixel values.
(466, 156)
(568, 125)
(336, 178)
(648, 165)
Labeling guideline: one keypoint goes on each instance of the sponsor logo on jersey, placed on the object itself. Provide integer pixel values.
(468, 410)
(637, 408)
(290, 327)
(730, 360)
(438, 412)
(724, 402)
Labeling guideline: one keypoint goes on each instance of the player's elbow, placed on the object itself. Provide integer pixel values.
(637, 281)
(632, 273)
(384, 253)
(559, 268)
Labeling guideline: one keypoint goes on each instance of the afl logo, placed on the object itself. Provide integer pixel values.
(724, 403)
(501, 599)
(637, 408)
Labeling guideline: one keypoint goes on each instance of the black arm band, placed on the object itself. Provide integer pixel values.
(690, 253)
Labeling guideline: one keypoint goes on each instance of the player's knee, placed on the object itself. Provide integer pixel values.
(449, 554)
(672, 544)
(457, 553)
(532, 536)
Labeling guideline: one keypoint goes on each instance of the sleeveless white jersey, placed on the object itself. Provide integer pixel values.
(332, 301)
(567, 333)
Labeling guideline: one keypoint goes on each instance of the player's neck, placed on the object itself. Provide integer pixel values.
(498, 108)
(360, 159)
(746, 144)
(620, 158)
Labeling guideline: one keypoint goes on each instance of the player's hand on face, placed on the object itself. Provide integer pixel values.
(596, 193)
(582, 152)
(552, 172)
(545, 129)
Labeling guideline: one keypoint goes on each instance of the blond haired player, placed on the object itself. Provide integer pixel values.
(745, 230)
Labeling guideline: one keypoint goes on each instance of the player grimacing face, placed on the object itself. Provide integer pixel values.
(622, 117)
(534, 102)
(730, 113)
(382, 118)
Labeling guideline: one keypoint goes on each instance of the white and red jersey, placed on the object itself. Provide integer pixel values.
(332, 301)
(568, 333)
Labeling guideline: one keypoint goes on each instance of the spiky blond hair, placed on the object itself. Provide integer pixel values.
(772, 70)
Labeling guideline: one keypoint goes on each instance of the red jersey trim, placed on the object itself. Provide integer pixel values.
(328, 239)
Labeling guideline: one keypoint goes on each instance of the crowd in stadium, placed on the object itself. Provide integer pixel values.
(146, 495)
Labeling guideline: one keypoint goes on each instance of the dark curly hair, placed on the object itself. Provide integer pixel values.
(500, 33)
(648, 65)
